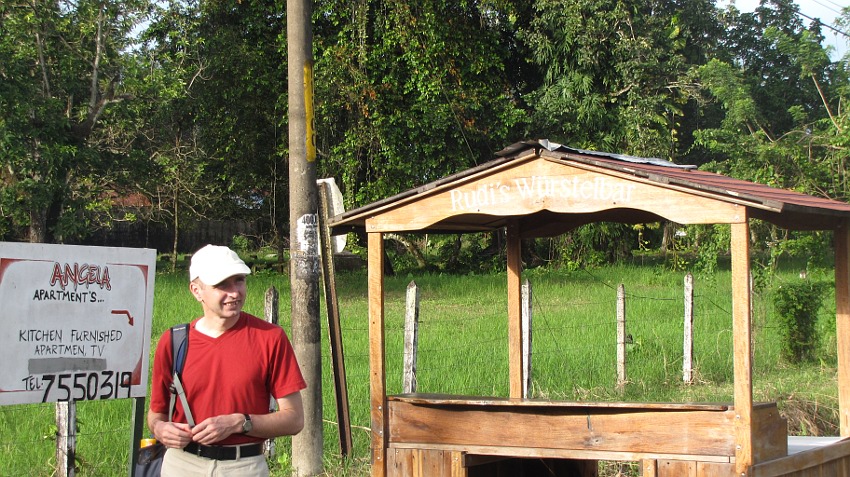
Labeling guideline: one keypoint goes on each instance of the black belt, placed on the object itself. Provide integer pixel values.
(224, 452)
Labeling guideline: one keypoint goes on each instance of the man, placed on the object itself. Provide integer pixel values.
(235, 361)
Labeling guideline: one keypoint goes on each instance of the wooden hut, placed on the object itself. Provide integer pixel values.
(539, 189)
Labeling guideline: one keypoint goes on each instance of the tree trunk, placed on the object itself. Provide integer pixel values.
(411, 247)
(667, 237)
(38, 226)
(176, 236)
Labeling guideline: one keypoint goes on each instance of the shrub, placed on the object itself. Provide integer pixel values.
(797, 306)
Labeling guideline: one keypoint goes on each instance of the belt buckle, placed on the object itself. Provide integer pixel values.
(200, 450)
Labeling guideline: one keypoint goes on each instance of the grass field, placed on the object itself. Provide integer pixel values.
(463, 350)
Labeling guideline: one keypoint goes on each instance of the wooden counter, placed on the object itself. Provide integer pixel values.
(465, 429)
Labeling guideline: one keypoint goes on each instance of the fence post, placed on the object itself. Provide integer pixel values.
(526, 338)
(271, 305)
(621, 337)
(688, 345)
(411, 338)
(271, 314)
(66, 438)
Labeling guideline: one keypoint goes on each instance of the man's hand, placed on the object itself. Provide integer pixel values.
(214, 429)
(172, 434)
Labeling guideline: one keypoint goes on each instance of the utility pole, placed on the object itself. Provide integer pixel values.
(307, 446)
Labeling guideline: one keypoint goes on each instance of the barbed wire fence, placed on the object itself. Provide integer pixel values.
(462, 349)
(574, 350)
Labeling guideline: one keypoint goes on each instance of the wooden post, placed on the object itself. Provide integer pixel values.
(842, 324)
(66, 438)
(526, 338)
(688, 341)
(346, 444)
(742, 344)
(271, 305)
(621, 337)
(139, 424)
(271, 308)
(411, 338)
(377, 353)
(514, 252)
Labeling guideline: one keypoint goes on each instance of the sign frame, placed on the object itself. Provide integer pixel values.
(76, 322)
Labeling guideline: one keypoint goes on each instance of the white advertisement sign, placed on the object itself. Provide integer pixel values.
(75, 322)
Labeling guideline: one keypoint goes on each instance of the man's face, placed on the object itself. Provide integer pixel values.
(222, 300)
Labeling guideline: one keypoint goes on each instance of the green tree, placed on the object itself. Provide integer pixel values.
(780, 96)
(616, 78)
(178, 185)
(615, 73)
(242, 108)
(410, 92)
(64, 138)
(216, 127)
(780, 93)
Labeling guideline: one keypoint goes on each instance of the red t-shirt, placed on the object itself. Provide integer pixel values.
(234, 373)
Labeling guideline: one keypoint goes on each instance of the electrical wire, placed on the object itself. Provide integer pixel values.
(827, 25)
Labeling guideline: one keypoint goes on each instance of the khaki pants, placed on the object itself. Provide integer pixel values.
(178, 463)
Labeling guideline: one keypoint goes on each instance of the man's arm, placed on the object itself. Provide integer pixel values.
(286, 421)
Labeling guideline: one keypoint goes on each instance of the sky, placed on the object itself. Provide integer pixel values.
(826, 10)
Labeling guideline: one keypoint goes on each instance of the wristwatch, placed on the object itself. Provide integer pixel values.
(247, 425)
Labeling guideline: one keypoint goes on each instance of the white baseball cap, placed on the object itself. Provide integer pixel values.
(215, 263)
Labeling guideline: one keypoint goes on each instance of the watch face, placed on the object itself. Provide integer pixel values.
(247, 425)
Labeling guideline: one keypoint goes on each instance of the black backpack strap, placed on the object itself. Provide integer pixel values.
(179, 348)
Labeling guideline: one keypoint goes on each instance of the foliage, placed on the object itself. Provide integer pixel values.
(780, 94)
(410, 92)
(178, 183)
(782, 124)
(615, 71)
(191, 120)
(594, 245)
(797, 306)
(710, 243)
(241, 108)
(64, 141)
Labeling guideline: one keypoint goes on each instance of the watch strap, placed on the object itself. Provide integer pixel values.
(248, 424)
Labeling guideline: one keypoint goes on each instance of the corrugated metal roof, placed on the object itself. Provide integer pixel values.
(785, 208)
(555, 147)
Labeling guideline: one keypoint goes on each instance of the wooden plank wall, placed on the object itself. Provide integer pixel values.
(414, 462)
(424, 463)
(681, 468)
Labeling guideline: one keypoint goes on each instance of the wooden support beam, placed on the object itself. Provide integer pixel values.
(842, 323)
(649, 468)
(514, 251)
(742, 346)
(377, 351)
(346, 444)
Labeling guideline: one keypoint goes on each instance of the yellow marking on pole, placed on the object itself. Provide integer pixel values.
(308, 108)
